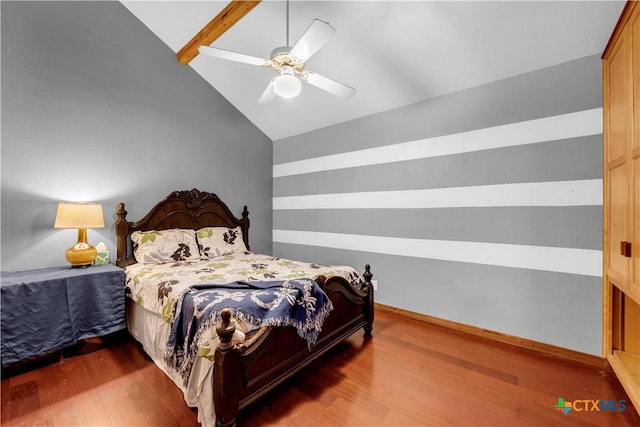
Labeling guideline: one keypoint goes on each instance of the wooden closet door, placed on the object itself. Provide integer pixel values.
(619, 91)
(634, 288)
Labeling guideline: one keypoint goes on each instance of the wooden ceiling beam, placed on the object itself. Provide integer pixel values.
(231, 14)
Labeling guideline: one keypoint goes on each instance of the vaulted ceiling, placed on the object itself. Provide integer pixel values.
(394, 53)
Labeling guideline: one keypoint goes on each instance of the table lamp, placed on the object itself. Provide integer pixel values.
(80, 216)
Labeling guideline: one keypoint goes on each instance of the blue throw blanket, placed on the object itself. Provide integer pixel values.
(299, 303)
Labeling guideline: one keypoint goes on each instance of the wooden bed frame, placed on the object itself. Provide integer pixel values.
(243, 373)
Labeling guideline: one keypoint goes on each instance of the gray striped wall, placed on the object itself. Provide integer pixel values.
(481, 207)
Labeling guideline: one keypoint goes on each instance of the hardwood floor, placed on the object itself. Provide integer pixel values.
(408, 374)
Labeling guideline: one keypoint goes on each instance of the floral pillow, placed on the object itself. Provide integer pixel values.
(217, 241)
(165, 246)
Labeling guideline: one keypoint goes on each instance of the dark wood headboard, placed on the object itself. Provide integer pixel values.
(190, 209)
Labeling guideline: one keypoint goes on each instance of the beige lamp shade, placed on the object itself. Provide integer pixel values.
(79, 215)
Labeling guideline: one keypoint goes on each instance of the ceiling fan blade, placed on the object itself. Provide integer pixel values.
(231, 55)
(329, 85)
(268, 95)
(318, 33)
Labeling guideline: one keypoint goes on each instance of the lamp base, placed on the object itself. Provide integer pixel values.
(81, 255)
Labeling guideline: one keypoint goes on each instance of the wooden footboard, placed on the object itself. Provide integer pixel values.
(245, 372)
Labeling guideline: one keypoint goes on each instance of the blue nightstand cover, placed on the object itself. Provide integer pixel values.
(51, 308)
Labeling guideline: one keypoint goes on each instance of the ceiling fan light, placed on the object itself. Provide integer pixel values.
(287, 85)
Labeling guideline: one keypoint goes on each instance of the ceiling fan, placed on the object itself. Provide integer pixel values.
(289, 63)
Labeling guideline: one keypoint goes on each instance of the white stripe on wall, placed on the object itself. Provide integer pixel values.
(572, 125)
(564, 260)
(586, 192)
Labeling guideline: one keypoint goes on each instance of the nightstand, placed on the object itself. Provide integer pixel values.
(48, 309)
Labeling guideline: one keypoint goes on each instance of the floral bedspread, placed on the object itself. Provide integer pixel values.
(158, 287)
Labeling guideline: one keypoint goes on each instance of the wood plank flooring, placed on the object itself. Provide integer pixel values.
(409, 374)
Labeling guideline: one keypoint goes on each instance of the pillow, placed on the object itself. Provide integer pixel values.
(165, 246)
(217, 241)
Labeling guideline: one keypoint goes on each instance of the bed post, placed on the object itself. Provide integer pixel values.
(122, 229)
(245, 227)
(226, 374)
(369, 307)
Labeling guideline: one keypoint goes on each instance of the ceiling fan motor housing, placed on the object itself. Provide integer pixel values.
(280, 57)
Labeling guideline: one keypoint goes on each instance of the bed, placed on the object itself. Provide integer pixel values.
(239, 358)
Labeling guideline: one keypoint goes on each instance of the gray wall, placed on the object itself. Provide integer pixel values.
(96, 108)
(481, 207)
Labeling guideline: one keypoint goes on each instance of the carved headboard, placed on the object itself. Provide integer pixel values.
(190, 209)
